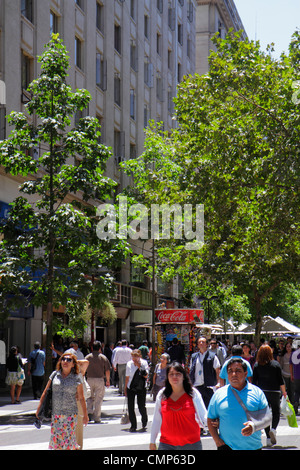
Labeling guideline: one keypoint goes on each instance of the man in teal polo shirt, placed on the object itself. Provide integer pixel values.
(234, 431)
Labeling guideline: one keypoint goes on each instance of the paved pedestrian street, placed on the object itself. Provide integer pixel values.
(17, 431)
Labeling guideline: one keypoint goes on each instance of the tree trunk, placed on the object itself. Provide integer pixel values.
(258, 315)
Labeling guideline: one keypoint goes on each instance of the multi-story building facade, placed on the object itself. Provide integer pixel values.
(130, 55)
(213, 16)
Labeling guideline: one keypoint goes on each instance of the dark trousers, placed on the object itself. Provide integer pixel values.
(141, 402)
(37, 385)
(274, 403)
(206, 394)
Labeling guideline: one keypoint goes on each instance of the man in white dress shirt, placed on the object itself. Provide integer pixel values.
(121, 356)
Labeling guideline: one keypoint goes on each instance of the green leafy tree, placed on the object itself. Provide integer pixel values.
(50, 246)
(236, 150)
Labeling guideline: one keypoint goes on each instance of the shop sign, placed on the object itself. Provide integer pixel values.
(180, 315)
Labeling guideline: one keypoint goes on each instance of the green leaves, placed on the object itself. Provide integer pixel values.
(236, 150)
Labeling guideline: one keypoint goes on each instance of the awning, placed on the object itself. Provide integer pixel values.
(272, 325)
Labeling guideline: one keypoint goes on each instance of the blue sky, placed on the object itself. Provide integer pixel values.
(270, 21)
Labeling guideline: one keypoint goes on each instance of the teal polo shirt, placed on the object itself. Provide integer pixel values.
(224, 406)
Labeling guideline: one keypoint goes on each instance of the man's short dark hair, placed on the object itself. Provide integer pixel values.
(236, 350)
(96, 346)
(239, 361)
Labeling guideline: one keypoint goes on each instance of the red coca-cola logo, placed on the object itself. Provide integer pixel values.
(179, 315)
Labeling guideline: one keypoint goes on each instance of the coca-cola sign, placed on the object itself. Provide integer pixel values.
(189, 315)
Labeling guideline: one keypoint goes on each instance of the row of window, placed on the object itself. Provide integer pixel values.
(27, 11)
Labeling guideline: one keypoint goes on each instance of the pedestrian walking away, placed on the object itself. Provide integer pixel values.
(179, 413)
(14, 374)
(121, 356)
(137, 370)
(67, 388)
(227, 420)
(145, 350)
(98, 376)
(205, 370)
(176, 352)
(267, 375)
(36, 368)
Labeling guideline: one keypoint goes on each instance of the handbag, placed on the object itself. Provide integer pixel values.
(260, 418)
(138, 381)
(46, 408)
(125, 415)
(86, 389)
(20, 372)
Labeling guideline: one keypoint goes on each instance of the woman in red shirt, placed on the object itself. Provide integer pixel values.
(179, 413)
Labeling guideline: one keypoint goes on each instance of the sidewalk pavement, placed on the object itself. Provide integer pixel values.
(27, 406)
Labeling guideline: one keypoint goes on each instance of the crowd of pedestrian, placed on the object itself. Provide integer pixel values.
(219, 392)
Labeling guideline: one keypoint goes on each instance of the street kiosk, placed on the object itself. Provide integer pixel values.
(182, 324)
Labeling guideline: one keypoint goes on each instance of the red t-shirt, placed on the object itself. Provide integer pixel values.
(179, 426)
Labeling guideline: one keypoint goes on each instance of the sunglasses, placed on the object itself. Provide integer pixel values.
(67, 359)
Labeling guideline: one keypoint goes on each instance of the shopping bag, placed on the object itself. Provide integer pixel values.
(125, 415)
(284, 407)
(292, 420)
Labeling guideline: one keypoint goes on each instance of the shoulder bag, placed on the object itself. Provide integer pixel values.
(125, 415)
(260, 419)
(46, 408)
(20, 373)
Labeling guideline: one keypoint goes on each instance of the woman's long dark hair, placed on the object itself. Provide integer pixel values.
(187, 385)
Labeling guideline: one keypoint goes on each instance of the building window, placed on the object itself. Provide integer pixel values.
(160, 6)
(27, 9)
(99, 16)
(180, 34)
(170, 100)
(148, 73)
(190, 12)
(159, 88)
(179, 72)
(118, 44)
(100, 71)
(133, 9)
(170, 61)
(133, 56)
(117, 89)
(119, 145)
(171, 18)
(132, 104)
(146, 27)
(132, 151)
(78, 52)
(26, 72)
(159, 44)
(146, 116)
(80, 3)
(53, 23)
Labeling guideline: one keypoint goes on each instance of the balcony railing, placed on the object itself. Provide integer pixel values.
(132, 296)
